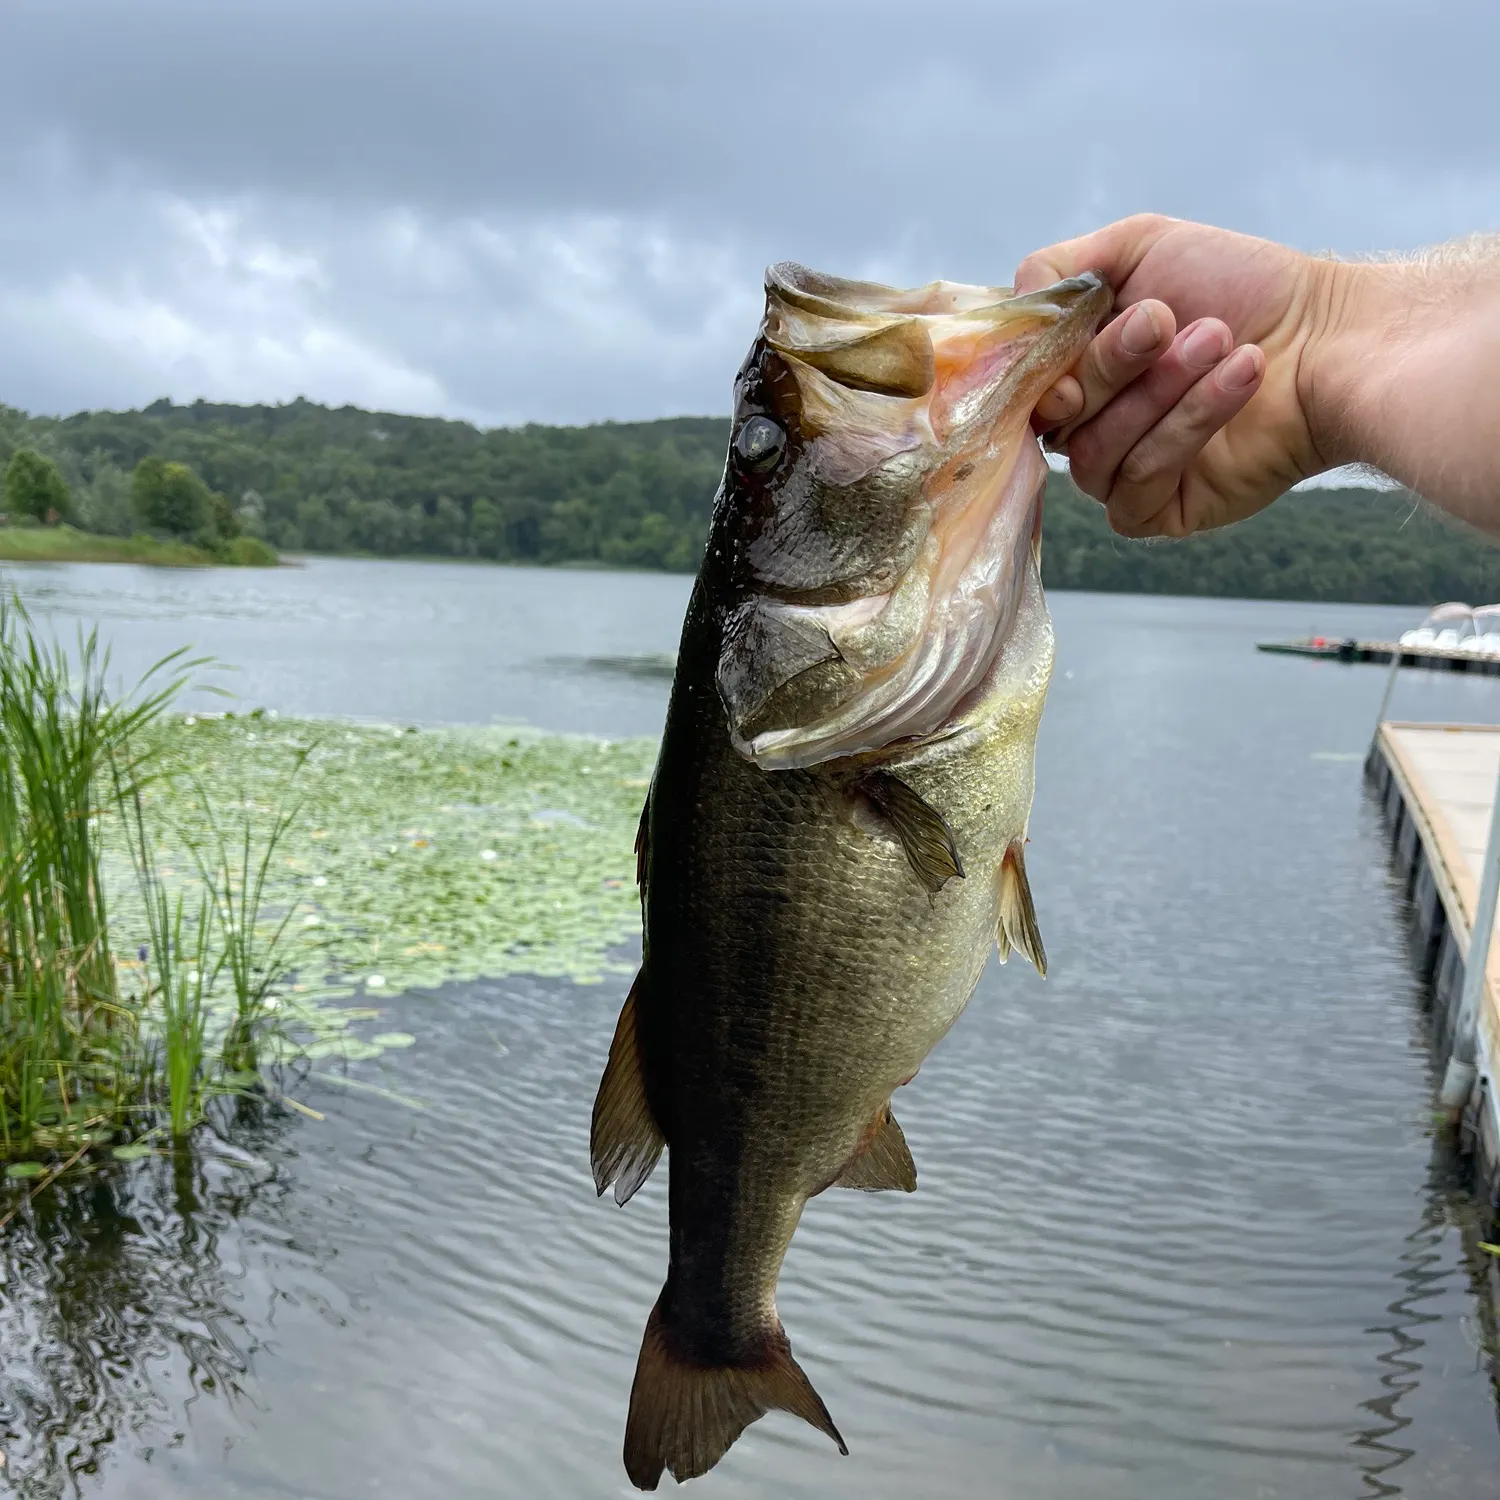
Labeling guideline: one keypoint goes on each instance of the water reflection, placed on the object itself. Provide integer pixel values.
(1430, 1277)
(119, 1308)
(1425, 1268)
(656, 666)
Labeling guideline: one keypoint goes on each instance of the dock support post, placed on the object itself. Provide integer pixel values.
(1390, 686)
(1459, 1078)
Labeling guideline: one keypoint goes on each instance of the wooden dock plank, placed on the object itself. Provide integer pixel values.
(1449, 773)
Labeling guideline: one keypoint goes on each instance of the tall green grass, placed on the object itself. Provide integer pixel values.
(256, 952)
(90, 1053)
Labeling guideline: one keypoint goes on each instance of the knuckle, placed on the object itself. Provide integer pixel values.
(1141, 222)
(1036, 270)
(1125, 522)
(1092, 481)
(1203, 411)
(1082, 449)
(1140, 466)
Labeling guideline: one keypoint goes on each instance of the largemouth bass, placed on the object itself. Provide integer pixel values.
(834, 835)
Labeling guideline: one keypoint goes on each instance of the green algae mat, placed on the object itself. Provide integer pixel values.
(414, 857)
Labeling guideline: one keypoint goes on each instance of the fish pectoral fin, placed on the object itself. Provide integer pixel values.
(625, 1141)
(685, 1414)
(921, 829)
(883, 1162)
(1018, 927)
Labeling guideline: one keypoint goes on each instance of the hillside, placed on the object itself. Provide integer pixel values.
(311, 478)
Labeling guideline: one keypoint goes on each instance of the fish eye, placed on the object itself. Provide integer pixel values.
(759, 444)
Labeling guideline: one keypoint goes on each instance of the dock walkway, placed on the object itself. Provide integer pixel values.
(1437, 785)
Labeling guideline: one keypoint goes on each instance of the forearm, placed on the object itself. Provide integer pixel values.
(1406, 375)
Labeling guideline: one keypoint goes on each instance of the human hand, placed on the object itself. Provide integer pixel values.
(1180, 431)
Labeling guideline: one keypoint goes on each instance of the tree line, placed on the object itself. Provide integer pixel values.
(160, 499)
(307, 478)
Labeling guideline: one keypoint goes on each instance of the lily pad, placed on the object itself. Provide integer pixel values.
(136, 1152)
(23, 1169)
(392, 1039)
(422, 858)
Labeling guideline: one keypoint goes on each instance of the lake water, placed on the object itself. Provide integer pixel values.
(1183, 1230)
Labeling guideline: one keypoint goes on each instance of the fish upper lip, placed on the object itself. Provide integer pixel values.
(982, 342)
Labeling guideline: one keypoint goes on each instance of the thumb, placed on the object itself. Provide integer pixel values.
(1114, 251)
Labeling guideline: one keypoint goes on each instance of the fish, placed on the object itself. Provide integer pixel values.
(833, 838)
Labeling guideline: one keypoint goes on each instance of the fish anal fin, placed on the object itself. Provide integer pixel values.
(883, 1160)
(685, 1415)
(922, 831)
(625, 1141)
(1018, 927)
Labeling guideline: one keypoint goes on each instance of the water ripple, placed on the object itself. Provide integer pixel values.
(1181, 1229)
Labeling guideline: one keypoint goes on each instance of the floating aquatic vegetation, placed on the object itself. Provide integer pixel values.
(415, 857)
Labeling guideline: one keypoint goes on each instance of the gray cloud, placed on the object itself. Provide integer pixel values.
(561, 213)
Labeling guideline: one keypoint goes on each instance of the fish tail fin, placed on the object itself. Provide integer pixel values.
(685, 1415)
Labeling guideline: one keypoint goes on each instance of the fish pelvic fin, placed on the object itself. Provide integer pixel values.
(685, 1415)
(923, 832)
(883, 1160)
(625, 1141)
(1018, 927)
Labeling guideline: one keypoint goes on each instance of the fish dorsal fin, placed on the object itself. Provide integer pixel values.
(883, 1162)
(1018, 927)
(625, 1140)
(922, 831)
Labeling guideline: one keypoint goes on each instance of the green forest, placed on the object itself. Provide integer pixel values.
(308, 478)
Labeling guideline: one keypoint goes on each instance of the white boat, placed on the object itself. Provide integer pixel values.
(1456, 626)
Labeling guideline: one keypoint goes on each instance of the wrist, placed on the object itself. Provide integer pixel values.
(1356, 313)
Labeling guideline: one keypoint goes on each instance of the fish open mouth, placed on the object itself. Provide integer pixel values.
(927, 395)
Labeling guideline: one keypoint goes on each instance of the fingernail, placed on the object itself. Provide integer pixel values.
(1240, 369)
(1054, 406)
(1205, 346)
(1139, 334)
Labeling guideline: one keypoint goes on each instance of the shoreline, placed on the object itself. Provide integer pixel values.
(65, 544)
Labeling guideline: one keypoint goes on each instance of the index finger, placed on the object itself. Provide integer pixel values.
(1114, 251)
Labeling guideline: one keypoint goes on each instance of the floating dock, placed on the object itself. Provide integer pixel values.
(1435, 658)
(1437, 786)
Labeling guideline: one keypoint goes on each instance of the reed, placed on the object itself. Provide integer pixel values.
(172, 1015)
(256, 951)
(89, 1054)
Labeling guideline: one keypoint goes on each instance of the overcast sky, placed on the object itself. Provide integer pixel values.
(561, 212)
